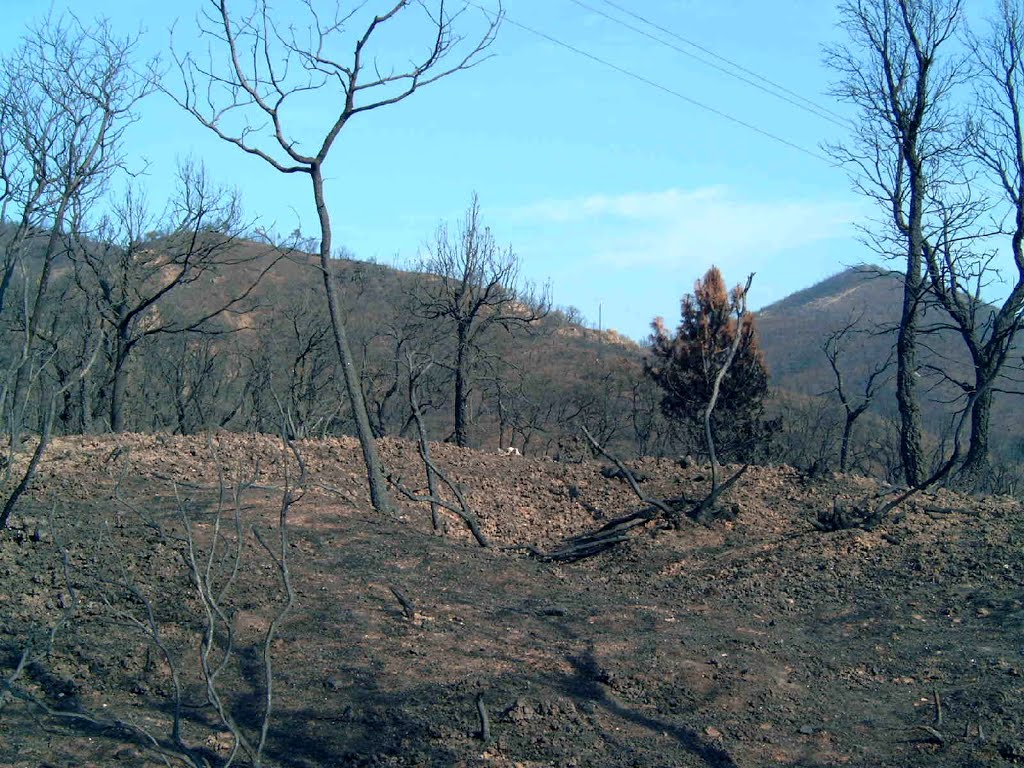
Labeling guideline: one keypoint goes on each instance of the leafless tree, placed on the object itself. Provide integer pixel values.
(135, 265)
(416, 367)
(48, 410)
(304, 396)
(252, 91)
(893, 71)
(809, 434)
(737, 306)
(73, 333)
(473, 285)
(527, 410)
(385, 353)
(958, 273)
(647, 421)
(926, 162)
(833, 348)
(194, 381)
(215, 552)
(67, 94)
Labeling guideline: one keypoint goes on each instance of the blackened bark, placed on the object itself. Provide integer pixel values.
(976, 463)
(844, 446)
(119, 385)
(22, 379)
(462, 387)
(379, 494)
(911, 452)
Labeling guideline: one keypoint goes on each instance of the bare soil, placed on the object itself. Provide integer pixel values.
(746, 642)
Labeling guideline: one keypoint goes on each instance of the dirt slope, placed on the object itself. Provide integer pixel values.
(745, 643)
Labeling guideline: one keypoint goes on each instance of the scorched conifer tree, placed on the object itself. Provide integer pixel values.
(685, 364)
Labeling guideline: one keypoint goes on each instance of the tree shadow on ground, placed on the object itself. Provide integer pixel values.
(369, 728)
(363, 726)
(375, 734)
(585, 684)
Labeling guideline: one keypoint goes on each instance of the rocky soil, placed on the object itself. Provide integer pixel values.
(745, 642)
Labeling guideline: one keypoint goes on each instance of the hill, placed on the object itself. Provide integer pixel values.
(793, 332)
(269, 363)
(533, 389)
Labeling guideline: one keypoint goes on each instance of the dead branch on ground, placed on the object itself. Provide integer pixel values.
(872, 510)
(667, 512)
(408, 610)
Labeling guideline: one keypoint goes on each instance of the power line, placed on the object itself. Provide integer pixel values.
(823, 111)
(664, 88)
(774, 90)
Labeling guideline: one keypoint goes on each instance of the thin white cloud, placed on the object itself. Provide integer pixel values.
(632, 256)
(677, 227)
(635, 206)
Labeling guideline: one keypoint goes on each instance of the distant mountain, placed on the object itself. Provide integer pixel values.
(793, 332)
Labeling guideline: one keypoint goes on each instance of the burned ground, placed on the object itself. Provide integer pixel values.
(748, 642)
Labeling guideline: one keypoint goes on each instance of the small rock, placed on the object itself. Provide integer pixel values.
(808, 730)
(520, 712)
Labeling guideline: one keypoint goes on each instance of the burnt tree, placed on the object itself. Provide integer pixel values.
(474, 289)
(712, 356)
(251, 90)
(893, 73)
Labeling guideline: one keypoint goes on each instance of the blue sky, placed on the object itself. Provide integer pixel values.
(617, 192)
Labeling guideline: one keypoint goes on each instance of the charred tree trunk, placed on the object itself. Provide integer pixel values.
(23, 376)
(119, 382)
(379, 494)
(85, 405)
(84, 408)
(911, 451)
(844, 445)
(462, 387)
(976, 462)
(892, 71)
